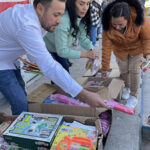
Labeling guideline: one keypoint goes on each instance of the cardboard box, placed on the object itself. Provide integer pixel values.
(34, 129)
(85, 115)
(113, 74)
(110, 89)
(113, 90)
(95, 84)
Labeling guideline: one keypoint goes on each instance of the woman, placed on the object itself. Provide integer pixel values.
(127, 32)
(75, 24)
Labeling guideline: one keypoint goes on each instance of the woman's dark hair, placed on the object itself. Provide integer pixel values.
(121, 9)
(71, 8)
(45, 3)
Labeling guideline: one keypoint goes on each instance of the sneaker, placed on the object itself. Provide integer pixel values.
(126, 93)
(132, 102)
(99, 36)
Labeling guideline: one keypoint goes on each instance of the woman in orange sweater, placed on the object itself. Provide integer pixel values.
(126, 32)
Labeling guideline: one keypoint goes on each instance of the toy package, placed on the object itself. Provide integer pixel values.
(33, 130)
(30, 67)
(4, 125)
(74, 138)
(145, 66)
(120, 107)
(93, 65)
(62, 99)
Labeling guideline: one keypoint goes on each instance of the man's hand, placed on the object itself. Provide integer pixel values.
(93, 99)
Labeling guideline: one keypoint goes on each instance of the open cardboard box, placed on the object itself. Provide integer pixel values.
(99, 83)
(114, 72)
(113, 90)
(85, 115)
(110, 89)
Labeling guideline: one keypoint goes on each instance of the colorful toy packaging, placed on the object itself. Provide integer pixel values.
(72, 138)
(30, 67)
(33, 130)
(120, 107)
(145, 66)
(62, 99)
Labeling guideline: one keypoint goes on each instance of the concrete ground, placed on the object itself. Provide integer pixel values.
(145, 111)
(125, 132)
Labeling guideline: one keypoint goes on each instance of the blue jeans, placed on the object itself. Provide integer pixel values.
(94, 32)
(13, 88)
(62, 61)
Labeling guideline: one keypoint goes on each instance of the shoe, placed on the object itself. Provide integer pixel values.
(125, 93)
(99, 36)
(131, 102)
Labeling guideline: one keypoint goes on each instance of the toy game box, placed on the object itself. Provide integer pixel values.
(33, 130)
(72, 138)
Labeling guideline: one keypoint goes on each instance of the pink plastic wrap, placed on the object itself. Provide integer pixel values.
(66, 100)
(120, 107)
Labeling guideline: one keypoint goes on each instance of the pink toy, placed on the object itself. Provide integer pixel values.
(66, 100)
(120, 107)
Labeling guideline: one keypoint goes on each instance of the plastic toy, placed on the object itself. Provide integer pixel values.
(75, 143)
(120, 107)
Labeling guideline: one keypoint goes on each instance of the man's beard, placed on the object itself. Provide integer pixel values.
(45, 26)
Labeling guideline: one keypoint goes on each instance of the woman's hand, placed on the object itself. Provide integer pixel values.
(93, 54)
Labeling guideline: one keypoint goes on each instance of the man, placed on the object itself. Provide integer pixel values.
(21, 31)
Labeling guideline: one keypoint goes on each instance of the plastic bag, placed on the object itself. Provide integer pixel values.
(94, 66)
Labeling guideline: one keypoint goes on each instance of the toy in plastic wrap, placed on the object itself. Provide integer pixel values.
(105, 118)
(62, 99)
(93, 65)
(69, 136)
(30, 67)
(120, 107)
(33, 130)
(145, 66)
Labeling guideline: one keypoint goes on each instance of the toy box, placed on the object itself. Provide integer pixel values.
(33, 130)
(72, 137)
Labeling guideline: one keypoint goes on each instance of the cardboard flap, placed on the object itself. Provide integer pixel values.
(115, 87)
(115, 71)
(104, 93)
(98, 126)
(82, 80)
(81, 119)
(62, 109)
(5, 117)
(88, 73)
(41, 93)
